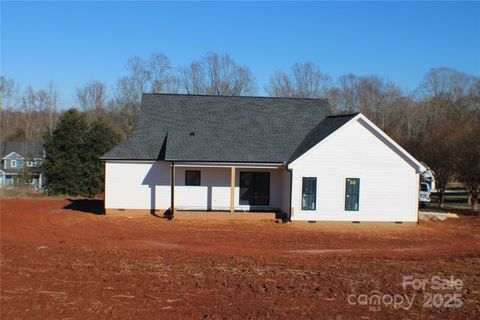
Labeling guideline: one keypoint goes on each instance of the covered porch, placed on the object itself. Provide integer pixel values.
(229, 188)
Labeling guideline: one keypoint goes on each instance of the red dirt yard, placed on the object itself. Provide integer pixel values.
(59, 262)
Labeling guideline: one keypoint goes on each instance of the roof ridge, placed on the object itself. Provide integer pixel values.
(344, 115)
(230, 96)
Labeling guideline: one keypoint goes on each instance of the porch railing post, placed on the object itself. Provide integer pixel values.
(172, 190)
(232, 189)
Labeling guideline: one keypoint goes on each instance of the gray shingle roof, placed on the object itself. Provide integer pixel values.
(220, 128)
(26, 149)
(320, 132)
(142, 145)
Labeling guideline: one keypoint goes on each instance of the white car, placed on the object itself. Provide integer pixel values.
(424, 196)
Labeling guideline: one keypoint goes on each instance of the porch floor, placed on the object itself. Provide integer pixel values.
(225, 215)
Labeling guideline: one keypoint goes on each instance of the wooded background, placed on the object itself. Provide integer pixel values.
(438, 122)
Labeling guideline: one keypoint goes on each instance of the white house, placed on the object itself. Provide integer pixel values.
(193, 152)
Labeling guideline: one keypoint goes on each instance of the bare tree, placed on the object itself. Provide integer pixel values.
(31, 113)
(448, 93)
(280, 85)
(159, 68)
(467, 157)
(125, 113)
(378, 99)
(305, 81)
(129, 91)
(436, 147)
(344, 96)
(52, 107)
(217, 75)
(136, 82)
(152, 75)
(310, 81)
(244, 83)
(9, 101)
(192, 78)
(8, 93)
(92, 98)
(446, 82)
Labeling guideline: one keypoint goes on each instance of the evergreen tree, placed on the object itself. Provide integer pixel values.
(72, 165)
(64, 163)
(99, 139)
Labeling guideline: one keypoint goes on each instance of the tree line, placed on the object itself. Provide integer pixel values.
(438, 121)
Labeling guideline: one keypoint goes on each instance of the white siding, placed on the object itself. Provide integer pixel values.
(214, 191)
(388, 184)
(212, 194)
(129, 185)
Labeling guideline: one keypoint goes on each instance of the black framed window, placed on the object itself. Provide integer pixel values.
(192, 178)
(255, 188)
(309, 193)
(352, 194)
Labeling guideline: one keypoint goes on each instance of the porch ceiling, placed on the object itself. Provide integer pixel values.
(229, 165)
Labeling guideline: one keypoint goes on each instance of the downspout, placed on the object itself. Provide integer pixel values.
(289, 218)
(172, 188)
(418, 197)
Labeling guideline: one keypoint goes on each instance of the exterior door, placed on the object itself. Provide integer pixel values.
(255, 188)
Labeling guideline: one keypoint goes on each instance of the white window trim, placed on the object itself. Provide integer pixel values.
(13, 163)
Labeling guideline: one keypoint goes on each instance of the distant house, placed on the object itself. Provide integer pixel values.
(193, 152)
(22, 160)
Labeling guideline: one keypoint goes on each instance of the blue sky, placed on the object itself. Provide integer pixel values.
(71, 43)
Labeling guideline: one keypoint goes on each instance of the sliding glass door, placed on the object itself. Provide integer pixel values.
(255, 188)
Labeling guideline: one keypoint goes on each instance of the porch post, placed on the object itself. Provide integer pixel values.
(232, 189)
(172, 190)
